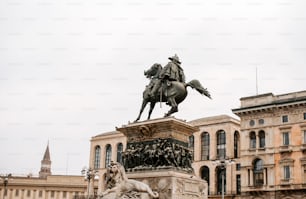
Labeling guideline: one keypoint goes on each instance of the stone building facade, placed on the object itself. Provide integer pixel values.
(273, 140)
(51, 187)
(44, 186)
(217, 139)
(105, 148)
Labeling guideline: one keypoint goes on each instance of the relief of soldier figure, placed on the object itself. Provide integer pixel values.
(167, 84)
(158, 154)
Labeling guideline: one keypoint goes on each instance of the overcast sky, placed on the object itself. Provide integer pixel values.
(72, 69)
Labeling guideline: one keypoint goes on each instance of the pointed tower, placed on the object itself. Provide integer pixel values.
(45, 169)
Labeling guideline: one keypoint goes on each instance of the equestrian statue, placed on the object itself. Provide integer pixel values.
(168, 85)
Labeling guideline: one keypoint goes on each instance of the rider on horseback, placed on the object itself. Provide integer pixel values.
(168, 85)
(171, 72)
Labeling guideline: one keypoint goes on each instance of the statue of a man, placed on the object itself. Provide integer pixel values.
(171, 72)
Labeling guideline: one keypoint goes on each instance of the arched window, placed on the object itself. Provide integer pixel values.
(205, 175)
(258, 172)
(97, 157)
(221, 175)
(252, 140)
(205, 146)
(108, 155)
(236, 144)
(262, 141)
(119, 152)
(221, 142)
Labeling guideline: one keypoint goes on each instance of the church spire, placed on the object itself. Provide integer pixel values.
(45, 169)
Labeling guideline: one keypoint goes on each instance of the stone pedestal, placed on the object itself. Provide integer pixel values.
(173, 184)
(157, 154)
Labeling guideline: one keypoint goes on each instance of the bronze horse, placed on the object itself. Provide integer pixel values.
(172, 94)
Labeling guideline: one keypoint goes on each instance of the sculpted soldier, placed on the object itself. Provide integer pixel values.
(171, 72)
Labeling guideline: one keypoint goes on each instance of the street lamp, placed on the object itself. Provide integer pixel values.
(89, 175)
(222, 165)
(5, 179)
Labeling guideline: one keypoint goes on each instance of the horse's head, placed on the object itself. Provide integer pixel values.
(153, 71)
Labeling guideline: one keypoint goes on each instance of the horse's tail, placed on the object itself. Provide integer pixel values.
(195, 84)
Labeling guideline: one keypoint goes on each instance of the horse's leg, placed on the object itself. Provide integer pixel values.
(144, 103)
(152, 105)
(173, 105)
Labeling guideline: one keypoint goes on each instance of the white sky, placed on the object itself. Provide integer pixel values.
(72, 69)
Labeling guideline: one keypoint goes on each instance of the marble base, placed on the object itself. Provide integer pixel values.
(172, 184)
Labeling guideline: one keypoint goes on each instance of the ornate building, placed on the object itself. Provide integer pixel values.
(104, 148)
(273, 140)
(45, 186)
(217, 139)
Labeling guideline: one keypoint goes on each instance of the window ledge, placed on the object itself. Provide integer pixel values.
(285, 148)
(286, 181)
(256, 186)
(262, 149)
(303, 147)
(252, 149)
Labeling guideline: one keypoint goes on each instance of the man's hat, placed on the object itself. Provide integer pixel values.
(175, 58)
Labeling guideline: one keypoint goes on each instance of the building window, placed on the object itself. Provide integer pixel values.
(286, 172)
(52, 194)
(236, 144)
(17, 192)
(304, 116)
(285, 118)
(221, 142)
(258, 172)
(28, 193)
(262, 142)
(191, 141)
(64, 194)
(238, 167)
(97, 157)
(40, 193)
(108, 155)
(205, 146)
(238, 184)
(304, 137)
(221, 173)
(205, 175)
(261, 121)
(119, 152)
(252, 140)
(286, 138)
(252, 122)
